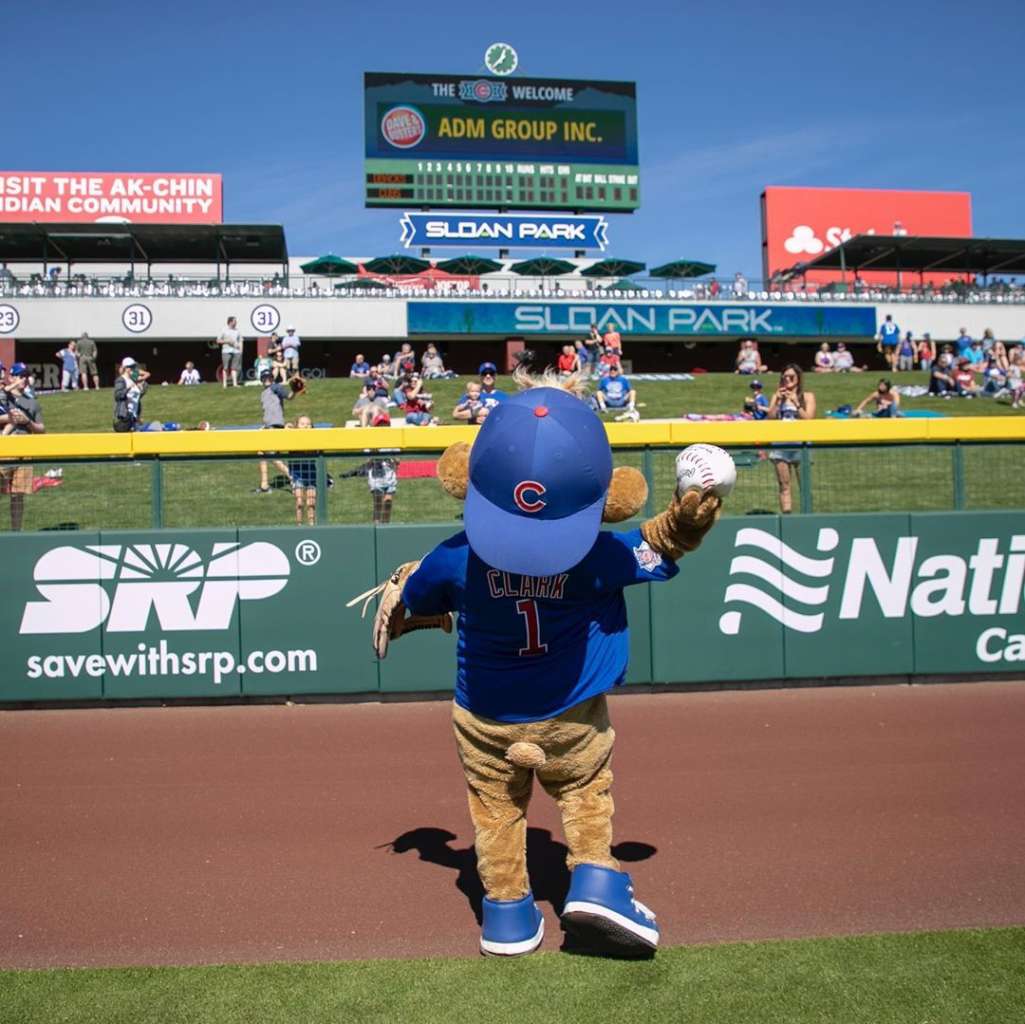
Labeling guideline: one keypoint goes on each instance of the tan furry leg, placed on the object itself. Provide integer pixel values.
(498, 793)
(578, 774)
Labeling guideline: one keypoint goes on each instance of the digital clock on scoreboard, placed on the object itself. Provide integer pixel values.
(527, 143)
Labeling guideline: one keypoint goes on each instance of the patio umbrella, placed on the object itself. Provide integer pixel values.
(366, 284)
(397, 264)
(469, 265)
(612, 267)
(329, 264)
(683, 268)
(542, 266)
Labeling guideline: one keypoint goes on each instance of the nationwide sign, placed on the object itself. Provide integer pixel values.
(81, 196)
(504, 231)
(662, 318)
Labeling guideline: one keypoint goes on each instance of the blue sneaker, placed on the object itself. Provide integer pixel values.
(511, 927)
(600, 911)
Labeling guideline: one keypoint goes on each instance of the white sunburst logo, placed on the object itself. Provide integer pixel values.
(171, 580)
(810, 595)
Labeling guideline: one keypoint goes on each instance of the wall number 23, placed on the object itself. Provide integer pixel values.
(528, 609)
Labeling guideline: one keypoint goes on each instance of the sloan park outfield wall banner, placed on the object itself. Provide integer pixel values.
(639, 318)
(220, 613)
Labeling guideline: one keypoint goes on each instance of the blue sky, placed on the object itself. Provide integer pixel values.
(731, 97)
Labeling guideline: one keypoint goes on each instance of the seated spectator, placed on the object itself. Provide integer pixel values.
(471, 408)
(416, 403)
(964, 379)
(360, 368)
(926, 353)
(994, 379)
(613, 341)
(614, 392)
(941, 378)
(190, 375)
(757, 405)
(69, 366)
(606, 361)
(432, 366)
(278, 366)
(386, 367)
(373, 399)
(885, 400)
(569, 361)
(995, 349)
(404, 361)
(749, 359)
(843, 360)
(906, 353)
(824, 359)
(490, 393)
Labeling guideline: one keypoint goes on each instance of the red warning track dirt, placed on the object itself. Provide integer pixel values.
(330, 832)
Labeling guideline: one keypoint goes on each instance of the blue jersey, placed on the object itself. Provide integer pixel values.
(889, 333)
(531, 647)
(492, 398)
(617, 389)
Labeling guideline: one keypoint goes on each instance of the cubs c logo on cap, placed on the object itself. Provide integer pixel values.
(525, 488)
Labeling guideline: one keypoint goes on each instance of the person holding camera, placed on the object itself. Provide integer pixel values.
(415, 402)
(373, 399)
(790, 402)
(20, 413)
(129, 388)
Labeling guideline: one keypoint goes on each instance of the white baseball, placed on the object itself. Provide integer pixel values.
(705, 467)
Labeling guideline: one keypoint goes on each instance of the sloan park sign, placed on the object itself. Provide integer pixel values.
(504, 231)
(638, 318)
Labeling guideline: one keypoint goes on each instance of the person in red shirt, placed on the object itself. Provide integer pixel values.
(964, 379)
(569, 361)
(607, 361)
(612, 341)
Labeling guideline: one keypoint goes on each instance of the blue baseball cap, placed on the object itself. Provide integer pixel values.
(19, 370)
(487, 368)
(539, 473)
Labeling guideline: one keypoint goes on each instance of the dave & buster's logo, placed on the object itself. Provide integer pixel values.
(403, 127)
(483, 91)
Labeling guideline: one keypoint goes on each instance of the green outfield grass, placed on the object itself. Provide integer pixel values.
(221, 492)
(962, 977)
(331, 401)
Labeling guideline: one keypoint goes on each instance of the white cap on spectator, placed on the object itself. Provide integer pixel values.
(289, 328)
(128, 361)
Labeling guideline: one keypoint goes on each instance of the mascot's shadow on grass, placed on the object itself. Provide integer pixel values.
(537, 586)
(549, 873)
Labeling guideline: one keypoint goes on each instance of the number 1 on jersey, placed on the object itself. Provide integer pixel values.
(528, 609)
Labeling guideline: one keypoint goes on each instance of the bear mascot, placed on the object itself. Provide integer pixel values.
(537, 589)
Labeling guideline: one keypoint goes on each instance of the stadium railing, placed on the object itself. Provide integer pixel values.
(210, 479)
(498, 287)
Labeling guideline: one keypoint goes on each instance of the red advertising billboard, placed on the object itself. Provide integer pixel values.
(62, 196)
(799, 224)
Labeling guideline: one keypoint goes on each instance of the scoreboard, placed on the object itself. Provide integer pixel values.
(520, 143)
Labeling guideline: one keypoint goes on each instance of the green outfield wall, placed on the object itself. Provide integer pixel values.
(131, 615)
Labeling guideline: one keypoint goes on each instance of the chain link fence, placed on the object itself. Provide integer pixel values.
(178, 492)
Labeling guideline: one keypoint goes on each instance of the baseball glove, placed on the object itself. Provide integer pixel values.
(391, 620)
(298, 385)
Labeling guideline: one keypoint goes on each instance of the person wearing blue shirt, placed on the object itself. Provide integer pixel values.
(757, 405)
(542, 637)
(490, 395)
(614, 392)
(975, 353)
(889, 336)
(360, 368)
(963, 341)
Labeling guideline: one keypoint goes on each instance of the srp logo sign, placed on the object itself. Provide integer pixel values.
(122, 585)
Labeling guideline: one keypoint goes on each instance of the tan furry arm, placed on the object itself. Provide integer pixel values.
(683, 525)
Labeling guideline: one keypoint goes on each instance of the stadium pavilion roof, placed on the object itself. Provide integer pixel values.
(143, 243)
(924, 255)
